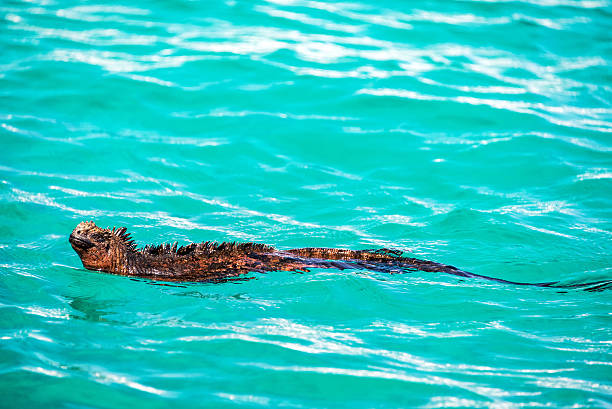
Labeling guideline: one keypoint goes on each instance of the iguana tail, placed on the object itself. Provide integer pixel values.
(392, 261)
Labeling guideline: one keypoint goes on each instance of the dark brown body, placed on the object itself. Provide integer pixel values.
(113, 251)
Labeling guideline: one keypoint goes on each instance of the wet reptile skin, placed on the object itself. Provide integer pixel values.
(113, 251)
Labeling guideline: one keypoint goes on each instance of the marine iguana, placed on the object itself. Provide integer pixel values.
(114, 251)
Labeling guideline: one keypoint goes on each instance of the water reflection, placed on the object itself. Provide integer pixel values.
(91, 309)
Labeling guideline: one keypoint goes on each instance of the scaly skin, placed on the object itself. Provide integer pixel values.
(113, 251)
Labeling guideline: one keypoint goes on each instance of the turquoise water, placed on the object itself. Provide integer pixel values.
(476, 134)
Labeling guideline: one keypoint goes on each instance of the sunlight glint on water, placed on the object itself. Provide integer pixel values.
(473, 133)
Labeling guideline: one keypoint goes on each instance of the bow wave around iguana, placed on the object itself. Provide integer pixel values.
(114, 251)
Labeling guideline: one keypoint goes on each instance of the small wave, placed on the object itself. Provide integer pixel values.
(537, 109)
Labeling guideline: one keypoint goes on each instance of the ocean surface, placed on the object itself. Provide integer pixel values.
(472, 133)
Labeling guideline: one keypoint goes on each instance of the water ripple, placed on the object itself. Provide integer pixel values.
(473, 133)
(592, 122)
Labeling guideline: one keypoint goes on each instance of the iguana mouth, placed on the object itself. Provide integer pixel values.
(80, 242)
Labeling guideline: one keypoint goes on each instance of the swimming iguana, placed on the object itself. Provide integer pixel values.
(114, 251)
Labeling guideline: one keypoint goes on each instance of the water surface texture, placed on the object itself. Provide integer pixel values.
(472, 133)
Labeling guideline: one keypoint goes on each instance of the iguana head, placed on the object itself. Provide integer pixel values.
(98, 248)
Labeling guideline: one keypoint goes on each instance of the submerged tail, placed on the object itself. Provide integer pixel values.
(392, 261)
